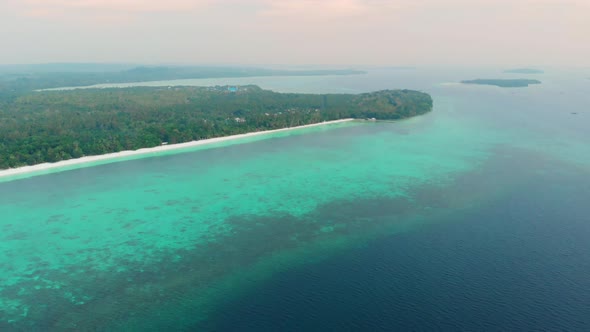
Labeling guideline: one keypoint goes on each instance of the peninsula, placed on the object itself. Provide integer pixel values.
(503, 83)
(51, 126)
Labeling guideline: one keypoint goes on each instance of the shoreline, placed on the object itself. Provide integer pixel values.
(31, 169)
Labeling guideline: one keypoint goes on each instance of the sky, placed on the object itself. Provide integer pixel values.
(298, 32)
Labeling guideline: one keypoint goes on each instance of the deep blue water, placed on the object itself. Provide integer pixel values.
(520, 262)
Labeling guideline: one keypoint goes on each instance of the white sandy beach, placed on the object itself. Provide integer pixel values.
(122, 154)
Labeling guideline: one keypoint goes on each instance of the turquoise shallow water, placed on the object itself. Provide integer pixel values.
(159, 242)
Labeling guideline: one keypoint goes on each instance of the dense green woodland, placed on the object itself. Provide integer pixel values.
(26, 78)
(50, 126)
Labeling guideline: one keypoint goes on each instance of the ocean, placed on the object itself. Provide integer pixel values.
(472, 217)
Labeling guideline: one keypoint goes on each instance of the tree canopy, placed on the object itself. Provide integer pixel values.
(50, 126)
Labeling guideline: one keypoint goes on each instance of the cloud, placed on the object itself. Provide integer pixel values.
(564, 3)
(98, 10)
(298, 31)
(305, 9)
(118, 5)
(284, 8)
(314, 7)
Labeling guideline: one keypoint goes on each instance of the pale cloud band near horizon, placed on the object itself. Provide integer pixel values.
(302, 31)
(269, 7)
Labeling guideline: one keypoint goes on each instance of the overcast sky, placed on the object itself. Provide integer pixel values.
(340, 32)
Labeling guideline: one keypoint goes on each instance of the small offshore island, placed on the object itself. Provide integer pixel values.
(52, 126)
(503, 83)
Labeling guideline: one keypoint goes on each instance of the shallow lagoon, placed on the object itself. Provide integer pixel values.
(172, 242)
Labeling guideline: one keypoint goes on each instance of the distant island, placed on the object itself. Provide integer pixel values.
(503, 83)
(18, 78)
(50, 126)
(524, 71)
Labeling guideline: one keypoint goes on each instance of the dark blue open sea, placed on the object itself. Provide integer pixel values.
(519, 262)
(474, 217)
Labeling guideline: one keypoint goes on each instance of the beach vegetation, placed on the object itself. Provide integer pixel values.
(50, 126)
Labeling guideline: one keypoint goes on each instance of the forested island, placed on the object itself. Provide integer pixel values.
(503, 83)
(524, 71)
(50, 126)
(18, 78)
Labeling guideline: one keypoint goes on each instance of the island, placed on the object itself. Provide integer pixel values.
(503, 83)
(51, 126)
(524, 71)
(16, 78)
